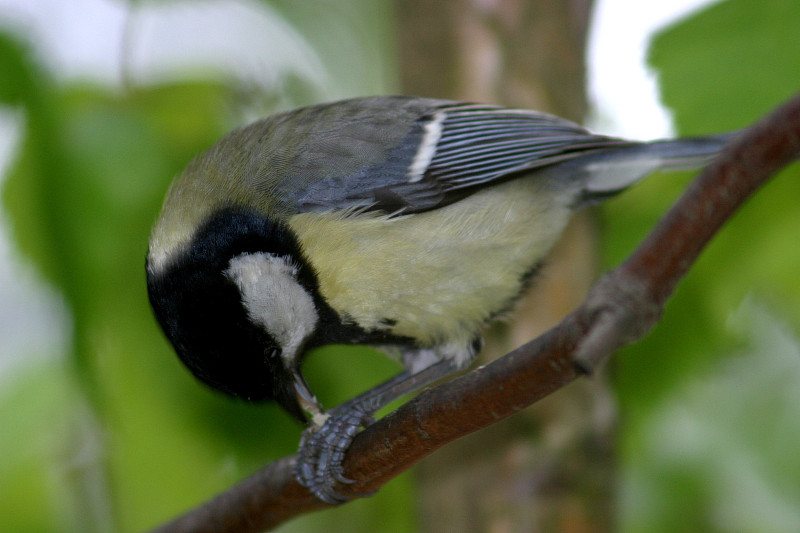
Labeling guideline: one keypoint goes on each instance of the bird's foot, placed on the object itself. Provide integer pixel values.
(322, 448)
(323, 445)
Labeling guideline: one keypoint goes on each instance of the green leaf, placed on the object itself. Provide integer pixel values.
(723, 68)
(19, 78)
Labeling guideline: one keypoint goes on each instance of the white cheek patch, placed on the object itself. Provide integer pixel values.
(274, 299)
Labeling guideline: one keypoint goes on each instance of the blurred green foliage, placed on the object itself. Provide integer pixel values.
(707, 438)
(116, 435)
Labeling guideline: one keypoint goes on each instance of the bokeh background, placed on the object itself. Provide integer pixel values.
(697, 427)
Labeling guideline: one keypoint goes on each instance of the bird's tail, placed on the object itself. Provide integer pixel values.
(610, 171)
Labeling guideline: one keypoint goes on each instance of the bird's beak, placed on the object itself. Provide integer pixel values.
(307, 400)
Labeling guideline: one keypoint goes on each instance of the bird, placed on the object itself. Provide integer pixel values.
(400, 222)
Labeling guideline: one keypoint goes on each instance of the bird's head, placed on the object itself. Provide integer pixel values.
(238, 305)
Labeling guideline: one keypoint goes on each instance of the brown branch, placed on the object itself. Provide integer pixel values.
(622, 307)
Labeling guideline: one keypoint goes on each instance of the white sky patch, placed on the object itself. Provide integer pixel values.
(162, 41)
(623, 92)
(237, 37)
(74, 38)
(33, 318)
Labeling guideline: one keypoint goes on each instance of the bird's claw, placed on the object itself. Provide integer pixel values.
(321, 452)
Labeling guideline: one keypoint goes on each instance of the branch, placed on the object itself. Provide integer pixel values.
(623, 306)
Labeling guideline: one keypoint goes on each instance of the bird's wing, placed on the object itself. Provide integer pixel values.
(450, 151)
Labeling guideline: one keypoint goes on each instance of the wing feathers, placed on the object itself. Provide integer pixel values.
(480, 144)
(453, 149)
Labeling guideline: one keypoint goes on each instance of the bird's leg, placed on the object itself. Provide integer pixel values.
(322, 446)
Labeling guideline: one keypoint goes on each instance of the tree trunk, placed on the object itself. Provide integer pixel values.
(550, 468)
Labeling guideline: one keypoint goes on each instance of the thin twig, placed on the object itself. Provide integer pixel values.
(623, 306)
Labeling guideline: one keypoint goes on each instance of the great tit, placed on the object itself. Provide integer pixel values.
(401, 222)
